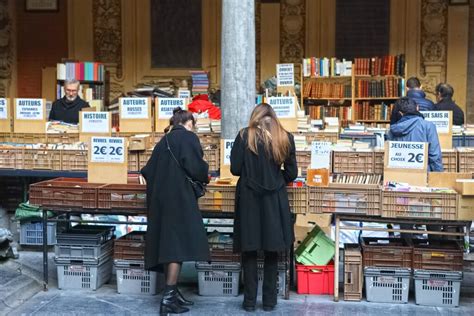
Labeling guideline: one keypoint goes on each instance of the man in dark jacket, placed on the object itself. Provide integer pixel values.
(444, 94)
(412, 127)
(415, 93)
(68, 107)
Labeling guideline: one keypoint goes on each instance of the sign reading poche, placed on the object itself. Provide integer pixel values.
(320, 155)
(29, 109)
(441, 119)
(166, 106)
(95, 122)
(284, 107)
(406, 155)
(228, 143)
(134, 108)
(285, 75)
(3, 109)
(107, 149)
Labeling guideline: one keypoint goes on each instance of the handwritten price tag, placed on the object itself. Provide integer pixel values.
(320, 155)
(107, 149)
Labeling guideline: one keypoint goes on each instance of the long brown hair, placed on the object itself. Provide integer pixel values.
(264, 126)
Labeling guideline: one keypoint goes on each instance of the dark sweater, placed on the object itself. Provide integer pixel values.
(66, 111)
(448, 104)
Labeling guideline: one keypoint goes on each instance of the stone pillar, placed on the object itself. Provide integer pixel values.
(470, 68)
(238, 65)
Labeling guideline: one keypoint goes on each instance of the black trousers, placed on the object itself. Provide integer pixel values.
(270, 275)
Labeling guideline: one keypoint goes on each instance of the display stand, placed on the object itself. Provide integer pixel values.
(412, 167)
(29, 116)
(94, 124)
(107, 160)
(164, 111)
(285, 109)
(444, 126)
(5, 116)
(135, 115)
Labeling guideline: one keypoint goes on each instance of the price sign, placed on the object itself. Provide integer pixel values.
(320, 155)
(167, 105)
(285, 75)
(3, 109)
(95, 122)
(134, 108)
(107, 149)
(284, 107)
(441, 119)
(29, 109)
(228, 143)
(184, 94)
(406, 155)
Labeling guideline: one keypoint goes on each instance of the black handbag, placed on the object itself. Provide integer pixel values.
(199, 188)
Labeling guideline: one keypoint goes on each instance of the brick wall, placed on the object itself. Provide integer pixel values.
(41, 42)
(362, 28)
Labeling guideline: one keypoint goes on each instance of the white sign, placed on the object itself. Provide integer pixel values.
(228, 143)
(284, 107)
(440, 119)
(134, 108)
(184, 94)
(29, 109)
(167, 105)
(406, 155)
(285, 75)
(107, 149)
(3, 109)
(320, 155)
(95, 122)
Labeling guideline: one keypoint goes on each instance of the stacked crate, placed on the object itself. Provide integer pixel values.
(83, 256)
(282, 279)
(352, 272)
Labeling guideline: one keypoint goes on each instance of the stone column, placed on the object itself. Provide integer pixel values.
(470, 68)
(238, 65)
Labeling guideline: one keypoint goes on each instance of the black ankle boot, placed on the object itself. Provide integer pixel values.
(169, 302)
(182, 300)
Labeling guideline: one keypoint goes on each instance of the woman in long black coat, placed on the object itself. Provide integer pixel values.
(262, 215)
(175, 230)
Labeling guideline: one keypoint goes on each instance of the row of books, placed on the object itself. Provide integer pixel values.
(384, 88)
(86, 92)
(366, 110)
(320, 90)
(380, 66)
(200, 81)
(357, 178)
(344, 113)
(84, 71)
(326, 67)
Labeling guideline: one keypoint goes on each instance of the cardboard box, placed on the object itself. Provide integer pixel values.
(306, 222)
(466, 208)
(140, 142)
(465, 187)
(446, 179)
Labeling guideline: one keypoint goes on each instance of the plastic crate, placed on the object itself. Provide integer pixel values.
(11, 158)
(5, 137)
(466, 159)
(28, 138)
(353, 162)
(130, 246)
(218, 279)
(132, 278)
(62, 138)
(143, 157)
(281, 279)
(339, 199)
(212, 157)
(221, 251)
(298, 198)
(379, 156)
(353, 279)
(74, 160)
(397, 204)
(437, 288)
(315, 279)
(83, 276)
(64, 192)
(316, 249)
(450, 160)
(220, 198)
(133, 162)
(32, 233)
(303, 160)
(122, 196)
(86, 235)
(458, 140)
(444, 255)
(322, 137)
(42, 159)
(209, 139)
(387, 285)
(387, 252)
(92, 254)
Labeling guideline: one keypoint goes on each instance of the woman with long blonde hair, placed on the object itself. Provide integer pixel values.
(263, 155)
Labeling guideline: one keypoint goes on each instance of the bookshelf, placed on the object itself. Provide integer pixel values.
(363, 90)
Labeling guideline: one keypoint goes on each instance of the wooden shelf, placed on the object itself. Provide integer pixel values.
(374, 121)
(329, 77)
(85, 81)
(330, 99)
(377, 76)
(374, 98)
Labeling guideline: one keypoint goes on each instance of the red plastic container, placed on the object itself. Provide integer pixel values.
(315, 279)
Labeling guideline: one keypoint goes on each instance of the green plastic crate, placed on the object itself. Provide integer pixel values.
(316, 249)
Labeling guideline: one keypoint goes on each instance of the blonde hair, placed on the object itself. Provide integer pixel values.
(264, 126)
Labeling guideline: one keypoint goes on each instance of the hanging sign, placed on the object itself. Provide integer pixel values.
(284, 107)
(167, 105)
(95, 122)
(285, 75)
(29, 109)
(441, 119)
(134, 108)
(107, 149)
(320, 155)
(406, 155)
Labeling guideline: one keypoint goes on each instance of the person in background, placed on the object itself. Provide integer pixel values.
(68, 107)
(263, 155)
(444, 95)
(175, 231)
(415, 93)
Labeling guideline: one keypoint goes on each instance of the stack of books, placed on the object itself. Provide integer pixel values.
(332, 124)
(303, 126)
(300, 142)
(200, 82)
(203, 125)
(325, 67)
(216, 126)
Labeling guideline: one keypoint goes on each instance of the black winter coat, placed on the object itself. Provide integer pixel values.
(448, 104)
(175, 230)
(63, 110)
(262, 219)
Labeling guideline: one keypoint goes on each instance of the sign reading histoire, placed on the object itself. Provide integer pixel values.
(320, 155)
(228, 143)
(167, 105)
(406, 155)
(284, 107)
(29, 109)
(441, 119)
(3, 109)
(107, 149)
(95, 122)
(134, 108)
(285, 75)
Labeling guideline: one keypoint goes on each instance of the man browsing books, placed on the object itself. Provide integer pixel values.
(68, 107)
(414, 92)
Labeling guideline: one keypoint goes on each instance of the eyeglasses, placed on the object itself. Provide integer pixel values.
(71, 90)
